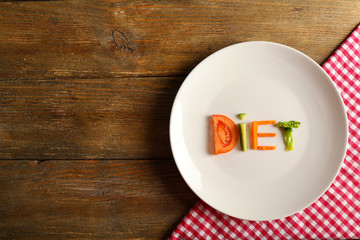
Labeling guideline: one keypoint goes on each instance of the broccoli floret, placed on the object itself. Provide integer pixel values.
(288, 128)
(289, 124)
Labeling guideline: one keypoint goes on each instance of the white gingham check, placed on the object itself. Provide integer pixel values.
(334, 215)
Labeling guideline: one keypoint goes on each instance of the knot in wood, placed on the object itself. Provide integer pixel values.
(121, 41)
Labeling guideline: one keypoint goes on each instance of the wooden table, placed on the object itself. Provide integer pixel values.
(86, 89)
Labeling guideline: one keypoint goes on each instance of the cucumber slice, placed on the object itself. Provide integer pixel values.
(242, 116)
(243, 136)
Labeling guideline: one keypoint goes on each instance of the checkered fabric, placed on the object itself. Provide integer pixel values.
(334, 215)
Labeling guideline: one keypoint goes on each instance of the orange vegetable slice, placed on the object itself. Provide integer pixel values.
(225, 132)
(266, 147)
(254, 135)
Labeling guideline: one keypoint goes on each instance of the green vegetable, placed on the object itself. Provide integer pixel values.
(242, 116)
(287, 128)
(243, 135)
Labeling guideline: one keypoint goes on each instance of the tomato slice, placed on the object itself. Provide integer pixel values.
(226, 134)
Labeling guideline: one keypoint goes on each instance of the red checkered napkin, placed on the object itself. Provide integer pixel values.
(334, 215)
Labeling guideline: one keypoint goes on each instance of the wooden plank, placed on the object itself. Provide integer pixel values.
(93, 39)
(118, 118)
(91, 199)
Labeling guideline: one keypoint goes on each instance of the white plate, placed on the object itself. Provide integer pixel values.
(268, 81)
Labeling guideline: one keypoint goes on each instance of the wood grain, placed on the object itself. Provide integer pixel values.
(95, 80)
(119, 118)
(91, 199)
(99, 39)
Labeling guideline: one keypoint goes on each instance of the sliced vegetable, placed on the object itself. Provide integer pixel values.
(254, 133)
(242, 116)
(266, 134)
(225, 134)
(243, 135)
(266, 122)
(287, 128)
(266, 147)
